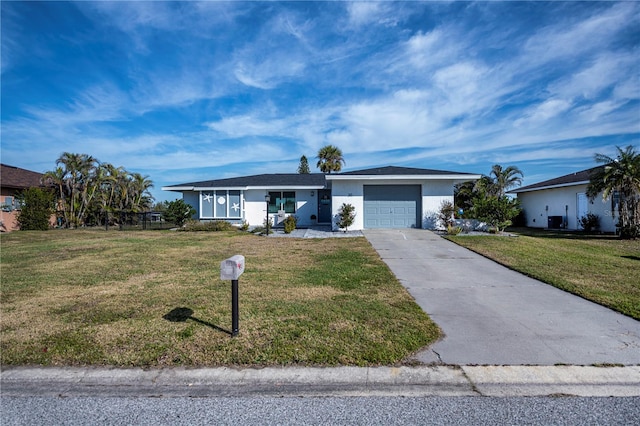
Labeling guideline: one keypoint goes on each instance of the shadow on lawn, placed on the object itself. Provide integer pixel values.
(184, 314)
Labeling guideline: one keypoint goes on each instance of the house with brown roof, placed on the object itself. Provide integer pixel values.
(559, 203)
(12, 181)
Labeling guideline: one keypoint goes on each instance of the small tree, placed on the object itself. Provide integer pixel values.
(37, 207)
(498, 212)
(178, 212)
(346, 216)
(303, 168)
(446, 213)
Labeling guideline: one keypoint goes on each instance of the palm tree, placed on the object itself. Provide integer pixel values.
(620, 175)
(330, 159)
(504, 179)
(55, 178)
(141, 198)
(78, 169)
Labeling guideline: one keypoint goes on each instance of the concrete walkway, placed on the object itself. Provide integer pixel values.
(491, 315)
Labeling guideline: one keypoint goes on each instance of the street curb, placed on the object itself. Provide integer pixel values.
(496, 381)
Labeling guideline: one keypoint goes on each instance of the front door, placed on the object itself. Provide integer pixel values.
(583, 206)
(324, 206)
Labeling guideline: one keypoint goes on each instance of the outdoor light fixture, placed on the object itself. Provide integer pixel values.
(267, 199)
(313, 193)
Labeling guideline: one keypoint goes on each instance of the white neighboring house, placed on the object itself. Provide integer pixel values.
(384, 197)
(559, 203)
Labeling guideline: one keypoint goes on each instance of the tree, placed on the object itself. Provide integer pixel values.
(37, 207)
(498, 212)
(330, 159)
(303, 168)
(346, 216)
(446, 213)
(78, 170)
(621, 176)
(178, 212)
(88, 191)
(503, 180)
(463, 194)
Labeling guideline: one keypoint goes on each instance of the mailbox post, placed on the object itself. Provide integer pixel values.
(231, 269)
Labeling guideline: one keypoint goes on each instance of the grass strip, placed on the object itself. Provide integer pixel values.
(600, 268)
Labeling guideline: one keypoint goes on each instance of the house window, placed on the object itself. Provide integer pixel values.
(7, 206)
(285, 200)
(220, 204)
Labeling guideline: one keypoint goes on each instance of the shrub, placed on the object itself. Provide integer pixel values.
(346, 216)
(178, 212)
(290, 224)
(446, 213)
(590, 222)
(497, 212)
(453, 230)
(210, 226)
(244, 226)
(37, 208)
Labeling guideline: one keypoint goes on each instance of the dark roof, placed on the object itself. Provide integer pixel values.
(566, 180)
(393, 170)
(17, 178)
(275, 180)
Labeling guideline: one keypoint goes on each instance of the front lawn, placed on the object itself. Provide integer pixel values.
(154, 298)
(604, 269)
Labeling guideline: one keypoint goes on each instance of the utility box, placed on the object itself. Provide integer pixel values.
(232, 268)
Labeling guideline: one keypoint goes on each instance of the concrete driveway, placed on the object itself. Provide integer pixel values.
(493, 315)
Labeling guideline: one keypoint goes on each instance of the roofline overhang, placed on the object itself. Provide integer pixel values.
(540, 188)
(240, 188)
(403, 177)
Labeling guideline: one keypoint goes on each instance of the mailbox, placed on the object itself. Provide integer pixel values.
(232, 268)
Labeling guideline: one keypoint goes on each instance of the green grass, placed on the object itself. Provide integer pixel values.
(603, 269)
(91, 297)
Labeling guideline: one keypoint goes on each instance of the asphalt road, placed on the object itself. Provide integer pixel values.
(320, 411)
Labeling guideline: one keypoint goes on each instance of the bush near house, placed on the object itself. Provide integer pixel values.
(289, 224)
(178, 212)
(37, 208)
(346, 216)
(590, 222)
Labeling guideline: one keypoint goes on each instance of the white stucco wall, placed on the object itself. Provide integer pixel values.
(561, 202)
(352, 192)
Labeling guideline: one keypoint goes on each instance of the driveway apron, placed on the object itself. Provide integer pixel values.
(493, 315)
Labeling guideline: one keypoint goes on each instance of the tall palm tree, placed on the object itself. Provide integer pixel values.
(504, 179)
(55, 179)
(620, 175)
(141, 197)
(78, 169)
(330, 159)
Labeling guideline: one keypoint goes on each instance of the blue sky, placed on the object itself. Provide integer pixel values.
(195, 91)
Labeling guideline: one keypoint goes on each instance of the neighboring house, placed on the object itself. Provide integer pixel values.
(385, 197)
(12, 181)
(560, 203)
